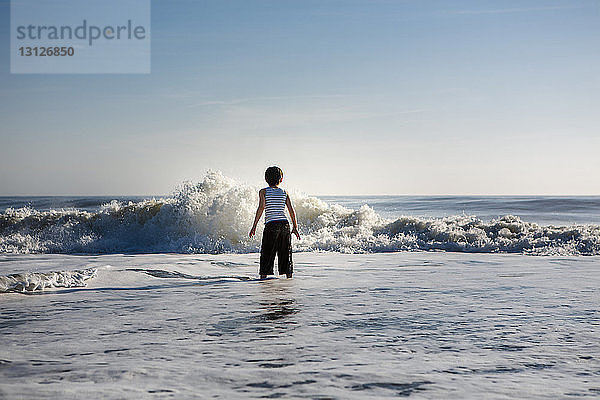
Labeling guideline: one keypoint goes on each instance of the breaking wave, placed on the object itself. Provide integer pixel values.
(33, 281)
(214, 216)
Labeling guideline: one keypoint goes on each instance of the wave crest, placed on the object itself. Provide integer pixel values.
(214, 216)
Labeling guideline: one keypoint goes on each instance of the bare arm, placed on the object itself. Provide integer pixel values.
(259, 211)
(290, 208)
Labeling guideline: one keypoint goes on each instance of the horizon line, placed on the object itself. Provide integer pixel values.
(323, 195)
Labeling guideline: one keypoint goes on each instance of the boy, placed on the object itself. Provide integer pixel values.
(276, 236)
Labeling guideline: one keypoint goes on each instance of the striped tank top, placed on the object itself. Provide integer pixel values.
(275, 204)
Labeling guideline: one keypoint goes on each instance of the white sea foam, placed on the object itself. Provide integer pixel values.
(214, 216)
(33, 281)
(348, 326)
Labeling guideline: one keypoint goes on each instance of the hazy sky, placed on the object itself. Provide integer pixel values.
(348, 97)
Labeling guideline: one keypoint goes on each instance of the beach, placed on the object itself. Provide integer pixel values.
(418, 324)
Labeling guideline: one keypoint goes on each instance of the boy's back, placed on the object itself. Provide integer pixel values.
(276, 239)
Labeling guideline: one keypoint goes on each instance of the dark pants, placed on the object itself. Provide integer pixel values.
(276, 239)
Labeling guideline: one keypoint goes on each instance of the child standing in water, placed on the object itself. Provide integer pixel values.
(276, 236)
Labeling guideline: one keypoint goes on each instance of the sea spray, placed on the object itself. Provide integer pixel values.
(214, 216)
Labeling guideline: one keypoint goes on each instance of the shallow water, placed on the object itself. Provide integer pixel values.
(424, 324)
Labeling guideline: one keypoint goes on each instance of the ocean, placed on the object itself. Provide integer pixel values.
(429, 297)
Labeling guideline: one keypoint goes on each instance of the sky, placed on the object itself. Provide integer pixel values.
(415, 97)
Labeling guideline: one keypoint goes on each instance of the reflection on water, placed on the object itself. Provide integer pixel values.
(278, 309)
(277, 302)
(270, 311)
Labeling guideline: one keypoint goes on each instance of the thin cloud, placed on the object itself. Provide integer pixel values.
(513, 10)
(271, 119)
(261, 98)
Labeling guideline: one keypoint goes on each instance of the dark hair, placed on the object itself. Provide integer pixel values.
(273, 175)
